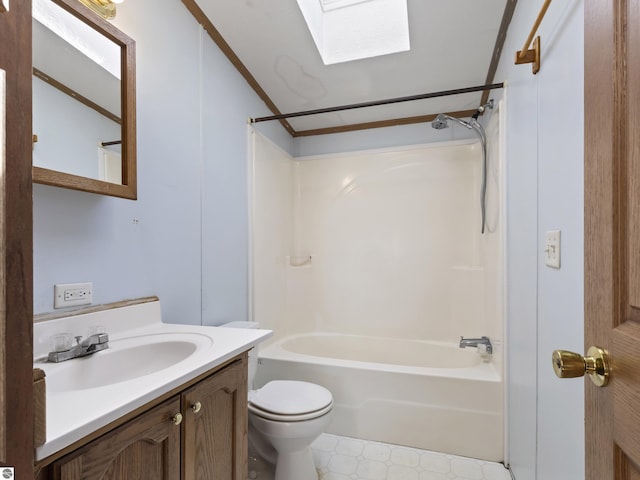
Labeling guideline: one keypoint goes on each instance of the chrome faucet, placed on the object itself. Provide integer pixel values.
(474, 342)
(92, 344)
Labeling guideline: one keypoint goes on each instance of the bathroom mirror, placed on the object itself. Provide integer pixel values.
(84, 113)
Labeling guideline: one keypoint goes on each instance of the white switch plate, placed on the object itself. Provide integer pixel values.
(72, 294)
(552, 249)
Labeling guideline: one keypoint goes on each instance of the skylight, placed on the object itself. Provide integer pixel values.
(345, 30)
(78, 34)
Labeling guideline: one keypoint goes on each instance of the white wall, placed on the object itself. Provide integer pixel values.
(393, 237)
(398, 136)
(185, 238)
(272, 232)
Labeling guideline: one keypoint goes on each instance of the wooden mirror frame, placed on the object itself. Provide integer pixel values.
(128, 188)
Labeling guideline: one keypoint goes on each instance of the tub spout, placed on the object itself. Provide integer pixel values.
(476, 342)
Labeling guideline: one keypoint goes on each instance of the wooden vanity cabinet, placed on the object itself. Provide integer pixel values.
(206, 441)
(145, 448)
(215, 427)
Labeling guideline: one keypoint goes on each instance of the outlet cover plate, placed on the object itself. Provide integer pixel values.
(72, 294)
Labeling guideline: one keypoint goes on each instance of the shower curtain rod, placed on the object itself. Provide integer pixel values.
(444, 93)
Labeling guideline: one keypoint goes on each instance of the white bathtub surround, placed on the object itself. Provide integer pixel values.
(394, 238)
(81, 403)
(399, 271)
(344, 458)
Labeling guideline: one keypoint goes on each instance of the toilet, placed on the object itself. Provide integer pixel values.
(285, 417)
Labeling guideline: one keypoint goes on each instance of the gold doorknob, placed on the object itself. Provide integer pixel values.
(177, 419)
(571, 365)
(196, 407)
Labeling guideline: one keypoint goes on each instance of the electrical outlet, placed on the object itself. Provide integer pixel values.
(72, 294)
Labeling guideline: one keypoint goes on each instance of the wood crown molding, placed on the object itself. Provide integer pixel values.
(217, 38)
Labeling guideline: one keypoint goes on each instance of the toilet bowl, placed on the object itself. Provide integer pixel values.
(288, 416)
(285, 417)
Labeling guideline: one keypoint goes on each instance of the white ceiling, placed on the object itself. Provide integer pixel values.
(452, 43)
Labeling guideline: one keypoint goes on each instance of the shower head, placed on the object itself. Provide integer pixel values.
(440, 122)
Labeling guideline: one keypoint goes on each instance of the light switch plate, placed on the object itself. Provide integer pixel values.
(552, 249)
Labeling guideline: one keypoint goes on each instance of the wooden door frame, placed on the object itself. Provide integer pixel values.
(16, 246)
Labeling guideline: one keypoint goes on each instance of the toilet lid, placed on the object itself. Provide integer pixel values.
(290, 418)
(284, 397)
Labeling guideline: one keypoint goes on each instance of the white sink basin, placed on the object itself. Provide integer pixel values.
(125, 359)
(146, 359)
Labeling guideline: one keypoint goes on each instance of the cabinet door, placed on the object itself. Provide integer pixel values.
(215, 426)
(145, 448)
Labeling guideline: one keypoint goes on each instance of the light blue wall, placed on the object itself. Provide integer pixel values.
(68, 132)
(545, 139)
(226, 108)
(561, 206)
(185, 238)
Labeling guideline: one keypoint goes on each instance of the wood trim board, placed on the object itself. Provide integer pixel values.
(226, 49)
(75, 95)
(16, 245)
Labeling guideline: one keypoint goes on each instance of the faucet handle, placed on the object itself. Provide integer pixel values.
(60, 342)
(78, 339)
(96, 330)
(101, 337)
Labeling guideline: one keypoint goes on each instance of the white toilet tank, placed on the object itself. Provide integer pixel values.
(253, 353)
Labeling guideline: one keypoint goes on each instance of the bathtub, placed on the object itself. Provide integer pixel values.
(427, 395)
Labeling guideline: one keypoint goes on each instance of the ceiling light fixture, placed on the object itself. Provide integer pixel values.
(104, 8)
(345, 30)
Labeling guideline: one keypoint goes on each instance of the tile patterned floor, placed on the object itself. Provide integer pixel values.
(343, 458)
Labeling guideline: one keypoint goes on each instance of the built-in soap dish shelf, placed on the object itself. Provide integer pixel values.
(300, 261)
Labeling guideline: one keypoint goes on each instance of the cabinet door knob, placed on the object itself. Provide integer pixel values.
(196, 407)
(177, 419)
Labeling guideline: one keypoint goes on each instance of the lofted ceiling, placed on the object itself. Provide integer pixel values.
(455, 44)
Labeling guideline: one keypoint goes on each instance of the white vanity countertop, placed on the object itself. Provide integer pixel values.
(74, 413)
